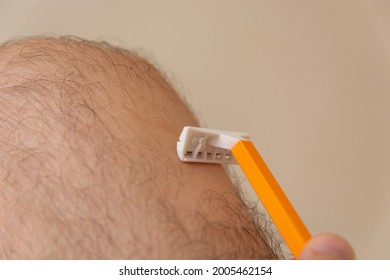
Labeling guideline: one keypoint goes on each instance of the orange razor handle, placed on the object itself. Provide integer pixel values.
(272, 196)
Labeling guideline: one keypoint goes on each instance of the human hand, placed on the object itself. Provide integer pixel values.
(327, 246)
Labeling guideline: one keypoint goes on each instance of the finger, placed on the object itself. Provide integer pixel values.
(327, 246)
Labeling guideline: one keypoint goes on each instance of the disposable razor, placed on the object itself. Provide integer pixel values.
(228, 147)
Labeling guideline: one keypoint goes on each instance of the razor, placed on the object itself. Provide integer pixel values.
(205, 145)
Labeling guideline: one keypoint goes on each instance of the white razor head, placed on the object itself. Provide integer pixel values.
(207, 145)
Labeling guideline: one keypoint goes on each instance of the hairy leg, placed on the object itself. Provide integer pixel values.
(89, 166)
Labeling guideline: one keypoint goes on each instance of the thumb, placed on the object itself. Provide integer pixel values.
(327, 246)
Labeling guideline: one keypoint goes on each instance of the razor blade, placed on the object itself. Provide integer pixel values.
(208, 145)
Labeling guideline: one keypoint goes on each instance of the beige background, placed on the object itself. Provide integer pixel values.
(308, 79)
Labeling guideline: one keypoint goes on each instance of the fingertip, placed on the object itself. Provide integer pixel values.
(327, 246)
